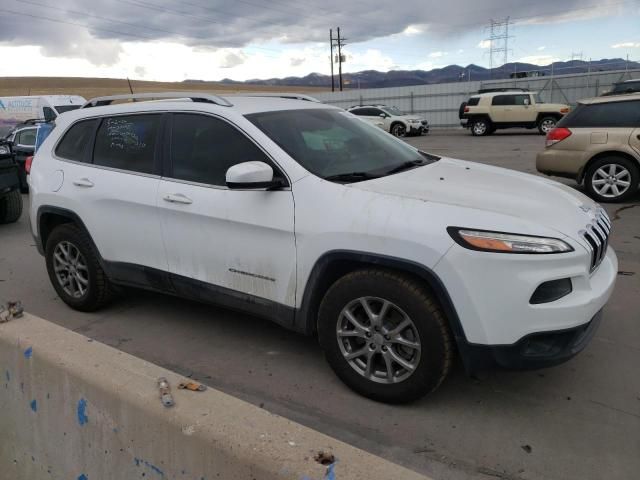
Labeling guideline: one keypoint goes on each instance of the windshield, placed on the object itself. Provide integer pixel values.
(66, 108)
(538, 98)
(395, 111)
(333, 143)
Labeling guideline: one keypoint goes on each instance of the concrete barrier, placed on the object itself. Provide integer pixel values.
(72, 408)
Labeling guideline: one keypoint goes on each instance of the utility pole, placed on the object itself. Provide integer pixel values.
(498, 30)
(340, 58)
(333, 87)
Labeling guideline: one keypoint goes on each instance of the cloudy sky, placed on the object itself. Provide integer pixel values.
(243, 39)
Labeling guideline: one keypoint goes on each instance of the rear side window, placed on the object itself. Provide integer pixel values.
(473, 101)
(203, 148)
(503, 100)
(76, 140)
(26, 137)
(602, 115)
(127, 142)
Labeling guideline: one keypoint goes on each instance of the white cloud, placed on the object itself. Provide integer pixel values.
(484, 44)
(437, 54)
(541, 48)
(371, 59)
(626, 45)
(413, 30)
(460, 51)
(539, 59)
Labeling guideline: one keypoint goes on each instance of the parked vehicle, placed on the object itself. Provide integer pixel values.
(598, 144)
(24, 138)
(391, 119)
(10, 198)
(301, 213)
(622, 88)
(487, 112)
(17, 110)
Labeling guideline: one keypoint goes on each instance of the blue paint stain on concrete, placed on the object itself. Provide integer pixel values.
(330, 474)
(136, 461)
(150, 466)
(34, 405)
(83, 477)
(82, 412)
(28, 353)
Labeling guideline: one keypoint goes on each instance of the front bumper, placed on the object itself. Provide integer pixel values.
(538, 350)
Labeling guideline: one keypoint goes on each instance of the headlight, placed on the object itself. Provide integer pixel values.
(4, 150)
(506, 242)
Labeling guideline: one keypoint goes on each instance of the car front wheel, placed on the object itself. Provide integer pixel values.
(385, 336)
(612, 179)
(398, 130)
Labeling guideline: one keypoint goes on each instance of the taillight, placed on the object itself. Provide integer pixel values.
(557, 135)
(564, 110)
(27, 164)
(466, 109)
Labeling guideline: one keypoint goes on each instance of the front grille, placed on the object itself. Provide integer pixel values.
(597, 236)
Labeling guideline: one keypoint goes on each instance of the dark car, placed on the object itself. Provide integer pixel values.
(10, 198)
(622, 88)
(23, 138)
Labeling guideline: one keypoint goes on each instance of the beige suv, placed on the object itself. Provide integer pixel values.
(486, 112)
(598, 143)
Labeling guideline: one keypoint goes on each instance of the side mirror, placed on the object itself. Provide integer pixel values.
(383, 115)
(251, 175)
(526, 101)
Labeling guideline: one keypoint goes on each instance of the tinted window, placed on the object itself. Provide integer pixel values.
(49, 114)
(358, 111)
(203, 148)
(473, 101)
(613, 114)
(74, 142)
(66, 108)
(503, 100)
(521, 100)
(127, 142)
(26, 137)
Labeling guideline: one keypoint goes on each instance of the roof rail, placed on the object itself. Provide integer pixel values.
(290, 96)
(194, 96)
(503, 89)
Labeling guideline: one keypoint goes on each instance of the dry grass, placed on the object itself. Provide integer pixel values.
(96, 87)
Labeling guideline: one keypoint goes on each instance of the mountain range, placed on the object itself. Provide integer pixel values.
(450, 73)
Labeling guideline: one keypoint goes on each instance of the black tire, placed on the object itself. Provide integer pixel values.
(10, 207)
(461, 110)
(436, 352)
(546, 124)
(481, 127)
(99, 290)
(398, 130)
(605, 163)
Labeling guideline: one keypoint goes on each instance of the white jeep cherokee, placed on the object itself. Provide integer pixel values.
(300, 213)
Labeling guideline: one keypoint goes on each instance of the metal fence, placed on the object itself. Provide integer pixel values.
(439, 103)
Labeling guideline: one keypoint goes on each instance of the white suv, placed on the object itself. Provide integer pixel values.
(391, 119)
(305, 215)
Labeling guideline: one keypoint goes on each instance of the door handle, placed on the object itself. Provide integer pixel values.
(177, 198)
(83, 182)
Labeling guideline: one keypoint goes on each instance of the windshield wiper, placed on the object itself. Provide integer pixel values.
(351, 177)
(406, 166)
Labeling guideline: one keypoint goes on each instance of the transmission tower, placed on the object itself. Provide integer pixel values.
(498, 42)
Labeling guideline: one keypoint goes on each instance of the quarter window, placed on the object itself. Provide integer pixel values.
(203, 148)
(473, 101)
(26, 137)
(74, 143)
(127, 142)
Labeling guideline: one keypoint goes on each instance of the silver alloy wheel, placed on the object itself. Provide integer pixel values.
(379, 340)
(479, 128)
(399, 130)
(611, 180)
(71, 269)
(547, 125)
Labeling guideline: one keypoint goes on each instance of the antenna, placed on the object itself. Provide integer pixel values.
(130, 88)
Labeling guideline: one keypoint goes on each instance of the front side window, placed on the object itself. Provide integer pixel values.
(203, 148)
(331, 143)
(127, 142)
(75, 142)
(26, 137)
(521, 100)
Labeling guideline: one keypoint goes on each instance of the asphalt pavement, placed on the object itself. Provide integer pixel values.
(580, 420)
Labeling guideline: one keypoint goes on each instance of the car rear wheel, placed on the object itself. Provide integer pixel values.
(480, 127)
(10, 207)
(398, 130)
(546, 124)
(385, 336)
(612, 179)
(74, 269)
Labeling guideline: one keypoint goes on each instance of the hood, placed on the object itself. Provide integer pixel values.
(491, 189)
